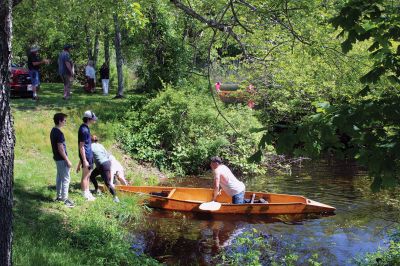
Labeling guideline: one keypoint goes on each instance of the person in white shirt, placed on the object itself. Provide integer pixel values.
(90, 77)
(224, 178)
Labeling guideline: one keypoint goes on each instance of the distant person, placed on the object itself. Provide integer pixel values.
(218, 87)
(60, 156)
(90, 74)
(34, 63)
(103, 167)
(86, 153)
(66, 70)
(224, 178)
(105, 77)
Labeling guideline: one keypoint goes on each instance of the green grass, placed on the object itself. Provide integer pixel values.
(46, 232)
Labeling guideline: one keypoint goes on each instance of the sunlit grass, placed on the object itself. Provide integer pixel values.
(45, 231)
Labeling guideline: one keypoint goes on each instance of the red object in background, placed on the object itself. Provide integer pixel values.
(251, 104)
(20, 82)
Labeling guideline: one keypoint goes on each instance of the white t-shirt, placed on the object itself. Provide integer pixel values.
(229, 183)
(90, 72)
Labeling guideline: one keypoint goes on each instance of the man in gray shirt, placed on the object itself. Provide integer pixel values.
(66, 70)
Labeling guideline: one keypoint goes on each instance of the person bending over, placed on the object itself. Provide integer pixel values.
(103, 167)
(224, 178)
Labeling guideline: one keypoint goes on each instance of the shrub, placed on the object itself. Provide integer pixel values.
(180, 130)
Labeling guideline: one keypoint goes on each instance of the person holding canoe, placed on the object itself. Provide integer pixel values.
(224, 178)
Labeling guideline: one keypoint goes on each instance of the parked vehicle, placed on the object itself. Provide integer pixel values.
(20, 82)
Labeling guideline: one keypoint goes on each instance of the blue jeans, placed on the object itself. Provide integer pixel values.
(238, 198)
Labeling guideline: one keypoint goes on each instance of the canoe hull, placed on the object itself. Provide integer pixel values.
(189, 199)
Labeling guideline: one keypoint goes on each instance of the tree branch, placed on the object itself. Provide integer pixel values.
(237, 19)
(212, 23)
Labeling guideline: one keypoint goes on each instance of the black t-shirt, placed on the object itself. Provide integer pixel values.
(56, 136)
(84, 136)
(33, 57)
(104, 72)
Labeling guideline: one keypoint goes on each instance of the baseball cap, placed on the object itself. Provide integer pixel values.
(90, 114)
(216, 159)
(68, 46)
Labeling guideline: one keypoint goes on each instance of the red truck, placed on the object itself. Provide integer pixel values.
(20, 82)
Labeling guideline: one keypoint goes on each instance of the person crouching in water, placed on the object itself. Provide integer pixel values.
(224, 178)
(103, 167)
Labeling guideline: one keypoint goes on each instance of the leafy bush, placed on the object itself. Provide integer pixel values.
(180, 130)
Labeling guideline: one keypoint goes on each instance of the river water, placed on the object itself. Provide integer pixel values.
(361, 222)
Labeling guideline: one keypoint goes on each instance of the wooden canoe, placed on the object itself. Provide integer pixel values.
(189, 199)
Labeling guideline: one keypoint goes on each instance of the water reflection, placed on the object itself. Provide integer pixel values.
(360, 224)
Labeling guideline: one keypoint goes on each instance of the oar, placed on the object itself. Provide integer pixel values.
(210, 206)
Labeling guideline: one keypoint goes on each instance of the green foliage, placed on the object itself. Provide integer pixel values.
(379, 22)
(250, 248)
(162, 53)
(180, 131)
(389, 256)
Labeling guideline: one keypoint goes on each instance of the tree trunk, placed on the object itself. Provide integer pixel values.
(118, 55)
(106, 46)
(7, 137)
(88, 43)
(96, 49)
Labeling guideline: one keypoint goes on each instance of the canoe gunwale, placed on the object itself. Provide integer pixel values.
(185, 204)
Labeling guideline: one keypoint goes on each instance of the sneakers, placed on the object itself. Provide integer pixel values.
(88, 196)
(59, 199)
(68, 203)
(97, 192)
(116, 199)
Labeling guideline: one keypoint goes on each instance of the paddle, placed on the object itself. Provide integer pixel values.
(210, 206)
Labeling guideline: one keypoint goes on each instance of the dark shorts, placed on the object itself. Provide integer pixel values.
(90, 161)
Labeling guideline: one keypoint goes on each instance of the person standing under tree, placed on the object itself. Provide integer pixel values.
(105, 77)
(66, 70)
(60, 156)
(90, 74)
(86, 153)
(34, 62)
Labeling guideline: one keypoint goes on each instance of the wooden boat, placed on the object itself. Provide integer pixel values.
(189, 199)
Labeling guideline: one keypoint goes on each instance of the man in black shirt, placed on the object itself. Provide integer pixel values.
(105, 77)
(60, 156)
(34, 62)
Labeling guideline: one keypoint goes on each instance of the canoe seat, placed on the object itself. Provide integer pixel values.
(171, 193)
(161, 194)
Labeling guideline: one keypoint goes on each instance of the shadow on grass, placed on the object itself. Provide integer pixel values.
(50, 98)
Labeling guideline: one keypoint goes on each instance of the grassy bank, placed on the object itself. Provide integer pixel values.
(46, 232)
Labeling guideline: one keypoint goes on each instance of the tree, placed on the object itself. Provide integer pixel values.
(366, 126)
(7, 137)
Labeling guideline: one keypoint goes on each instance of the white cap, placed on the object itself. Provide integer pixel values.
(90, 114)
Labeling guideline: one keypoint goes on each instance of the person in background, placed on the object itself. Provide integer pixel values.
(66, 70)
(103, 167)
(105, 77)
(60, 156)
(34, 63)
(90, 73)
(86, 153)
(218, 87)
(224, 178)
